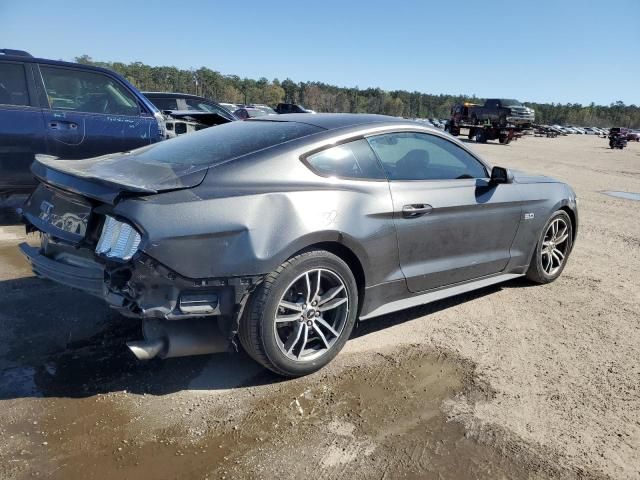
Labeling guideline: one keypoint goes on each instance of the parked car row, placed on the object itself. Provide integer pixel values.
(432, 122)
(570, 129)
(281, 108)
(618, 134)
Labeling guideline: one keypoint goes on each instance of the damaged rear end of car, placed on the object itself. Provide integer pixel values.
(88, 244)
(110, 226)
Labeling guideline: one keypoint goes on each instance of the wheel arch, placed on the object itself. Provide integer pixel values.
(574, 221)
(345, 253)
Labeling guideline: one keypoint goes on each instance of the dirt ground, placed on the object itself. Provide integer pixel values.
(510, 382)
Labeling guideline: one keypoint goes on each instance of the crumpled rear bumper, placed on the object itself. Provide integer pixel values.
(86, 278)
(142, 288)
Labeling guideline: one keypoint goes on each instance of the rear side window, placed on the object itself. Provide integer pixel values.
(91, 92)
(213, 146)
(349, 160)
(13, 84)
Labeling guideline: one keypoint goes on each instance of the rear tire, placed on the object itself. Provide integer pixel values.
(552, 250)
(290, 324)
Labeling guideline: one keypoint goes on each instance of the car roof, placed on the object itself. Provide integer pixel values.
(333, 121)
(59, 63)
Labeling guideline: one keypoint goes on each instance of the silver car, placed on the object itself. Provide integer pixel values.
(283, 231)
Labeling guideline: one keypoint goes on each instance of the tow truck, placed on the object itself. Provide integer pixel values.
(482, 131)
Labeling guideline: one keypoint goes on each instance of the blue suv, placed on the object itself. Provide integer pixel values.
(66, 110)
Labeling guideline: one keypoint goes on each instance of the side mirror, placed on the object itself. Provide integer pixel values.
(501, 175)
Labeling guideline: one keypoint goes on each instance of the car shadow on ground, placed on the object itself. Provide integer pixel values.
(380, 323)
(9, 217)
(58, 342)
(10, 208)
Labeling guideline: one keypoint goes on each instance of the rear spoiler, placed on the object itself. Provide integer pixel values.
(49, 170)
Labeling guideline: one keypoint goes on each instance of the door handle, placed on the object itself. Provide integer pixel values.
(416, 210)
(58, 125)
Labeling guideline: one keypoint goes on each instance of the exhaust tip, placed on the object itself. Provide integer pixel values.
(147, 349)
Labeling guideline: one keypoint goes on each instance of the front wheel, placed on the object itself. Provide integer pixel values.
(552, 250)
(301, 315)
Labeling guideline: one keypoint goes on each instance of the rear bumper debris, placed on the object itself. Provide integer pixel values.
(87, 278)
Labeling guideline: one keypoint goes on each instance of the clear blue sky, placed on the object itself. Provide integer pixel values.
(534, 50)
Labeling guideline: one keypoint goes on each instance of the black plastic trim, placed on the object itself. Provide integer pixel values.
(90, 280)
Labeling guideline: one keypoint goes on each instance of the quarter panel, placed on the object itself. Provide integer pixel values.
(253, 233)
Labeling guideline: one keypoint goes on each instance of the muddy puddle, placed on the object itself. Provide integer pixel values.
(381, 417)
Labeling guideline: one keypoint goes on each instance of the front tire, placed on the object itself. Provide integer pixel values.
(301, 315)
(552, 250)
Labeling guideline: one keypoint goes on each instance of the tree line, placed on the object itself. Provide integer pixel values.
(323, 97)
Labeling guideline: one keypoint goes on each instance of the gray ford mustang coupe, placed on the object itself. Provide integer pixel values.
(283, 231)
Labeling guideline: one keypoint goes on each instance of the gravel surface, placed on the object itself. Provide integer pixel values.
(514, 381)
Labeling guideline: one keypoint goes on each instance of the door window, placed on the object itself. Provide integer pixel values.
(13, 84)
(350, 160)
(77, 90)
(420, 156)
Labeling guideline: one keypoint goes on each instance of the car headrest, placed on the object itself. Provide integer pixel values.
(414, 164)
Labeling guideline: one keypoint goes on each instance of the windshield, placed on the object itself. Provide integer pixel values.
(218, 144)
(507, 102)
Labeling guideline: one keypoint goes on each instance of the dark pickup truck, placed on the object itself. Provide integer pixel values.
(501, 111)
